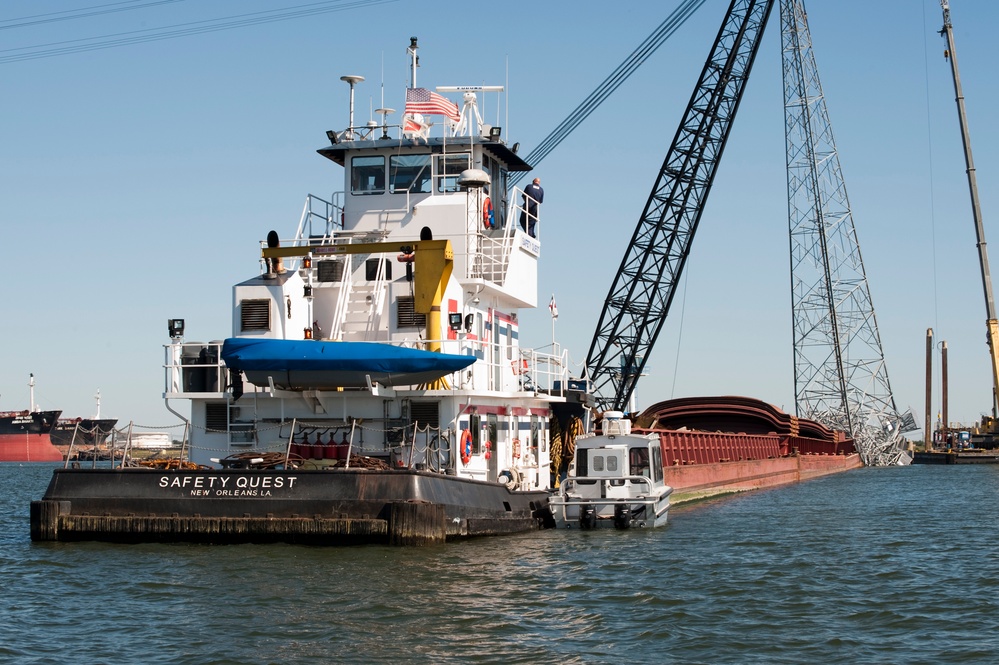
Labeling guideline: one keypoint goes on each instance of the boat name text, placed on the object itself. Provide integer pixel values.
(221, 486)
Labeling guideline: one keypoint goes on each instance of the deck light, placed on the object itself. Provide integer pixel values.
(331, 135)
(494, 133)
(176, 328)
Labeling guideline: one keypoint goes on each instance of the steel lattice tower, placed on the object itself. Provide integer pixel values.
(840, 377)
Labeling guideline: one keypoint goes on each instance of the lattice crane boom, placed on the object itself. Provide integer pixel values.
(643, 290)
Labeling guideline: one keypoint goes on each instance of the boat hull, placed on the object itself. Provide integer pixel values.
(953, 457)
(338, 507)
(88, 431)
(311, 364)
(25, 437)
(571, 513)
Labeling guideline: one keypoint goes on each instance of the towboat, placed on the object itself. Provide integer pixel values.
(373, 388)
(615, 480)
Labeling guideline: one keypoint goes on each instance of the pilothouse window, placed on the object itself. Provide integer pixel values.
(367, 175)
(409, 173)
(447, 169)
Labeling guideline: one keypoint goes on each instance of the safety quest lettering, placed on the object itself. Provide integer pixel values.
(228, 486)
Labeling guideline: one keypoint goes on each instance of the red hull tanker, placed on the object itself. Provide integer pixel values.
(24, 436)
(715, 445)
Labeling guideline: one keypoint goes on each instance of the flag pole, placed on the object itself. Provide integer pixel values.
(554, 310)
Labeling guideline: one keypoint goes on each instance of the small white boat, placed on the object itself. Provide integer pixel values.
(616, 480)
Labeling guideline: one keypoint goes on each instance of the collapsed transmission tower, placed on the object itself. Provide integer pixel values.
(840, 377)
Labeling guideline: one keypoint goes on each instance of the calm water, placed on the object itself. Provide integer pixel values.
(872, 566)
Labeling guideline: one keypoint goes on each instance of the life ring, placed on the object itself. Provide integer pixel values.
(516, 448)
(488, 219)
(466, 446)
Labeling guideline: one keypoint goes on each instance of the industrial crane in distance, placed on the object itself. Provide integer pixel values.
(988, 430)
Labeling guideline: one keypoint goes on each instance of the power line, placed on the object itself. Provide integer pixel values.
(82, 12)
(67, 47)
(612, 82)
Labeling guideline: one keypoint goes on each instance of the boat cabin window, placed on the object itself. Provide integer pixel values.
(409, 173)
(638, 460)
(447, 168)
(657, 465)
(475, 426)
(499, 177)
(367, 175)
(535, 435)
(492, 429)
(603, 462)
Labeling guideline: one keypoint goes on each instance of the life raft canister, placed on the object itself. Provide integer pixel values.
(466, 447)
(488, 219)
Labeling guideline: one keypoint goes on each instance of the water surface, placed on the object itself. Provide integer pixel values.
(891, 565)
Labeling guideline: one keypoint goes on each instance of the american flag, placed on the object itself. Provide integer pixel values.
(421, 100)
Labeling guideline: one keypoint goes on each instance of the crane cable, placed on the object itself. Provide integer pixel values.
(611, 83)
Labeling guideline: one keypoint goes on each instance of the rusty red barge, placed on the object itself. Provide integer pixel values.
(716, 445)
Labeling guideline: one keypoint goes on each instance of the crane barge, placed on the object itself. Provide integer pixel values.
(986, 434)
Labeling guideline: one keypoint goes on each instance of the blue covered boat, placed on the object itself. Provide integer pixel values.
(313, 364)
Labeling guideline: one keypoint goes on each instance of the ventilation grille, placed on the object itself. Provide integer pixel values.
(406, 315)
(371, 269)
(215, 418)
(425, 413)
(329, 271)
(255, 314)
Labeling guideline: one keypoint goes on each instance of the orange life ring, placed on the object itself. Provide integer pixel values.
(466, 447)
(516, 448)
(488, 219)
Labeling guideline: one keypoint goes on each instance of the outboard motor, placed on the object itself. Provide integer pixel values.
(622, 516)
(587, 516)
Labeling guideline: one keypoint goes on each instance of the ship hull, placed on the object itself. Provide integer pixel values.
(721, 445)
(341, 507)
(88, 431)
(698, 481)
(24, 437)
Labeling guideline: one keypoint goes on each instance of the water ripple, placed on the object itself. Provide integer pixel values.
(854, 568)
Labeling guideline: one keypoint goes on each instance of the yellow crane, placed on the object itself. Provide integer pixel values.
(988, 425)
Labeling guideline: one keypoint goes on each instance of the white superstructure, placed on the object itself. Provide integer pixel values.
(421, 247)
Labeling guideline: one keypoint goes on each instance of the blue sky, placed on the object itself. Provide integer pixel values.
(136, 182)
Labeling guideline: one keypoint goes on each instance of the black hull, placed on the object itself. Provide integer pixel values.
(944, 457)
(91, 431)
(34, 422)
(345, 507)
